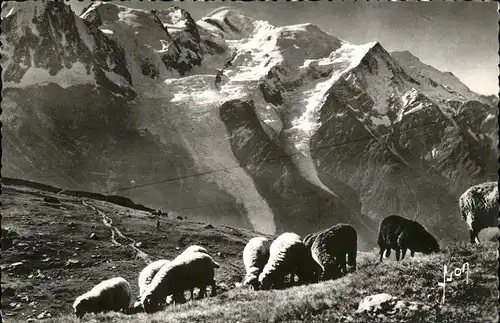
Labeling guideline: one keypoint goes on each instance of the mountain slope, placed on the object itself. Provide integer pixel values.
(56, 246)
(236, 121)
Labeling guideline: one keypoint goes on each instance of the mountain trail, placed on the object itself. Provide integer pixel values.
(115, 232)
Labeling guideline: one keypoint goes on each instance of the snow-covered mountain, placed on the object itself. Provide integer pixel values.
(233, 120)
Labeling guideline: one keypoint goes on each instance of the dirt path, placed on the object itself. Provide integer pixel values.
(116, 233)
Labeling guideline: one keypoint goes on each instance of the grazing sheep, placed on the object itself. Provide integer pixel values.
(287, 255)
(190, 249)
(194, 248)
(255, 256)
(400, 233)
(148, 273)
(109, 295)
(331, 247)
(191, 270)
(479, 208)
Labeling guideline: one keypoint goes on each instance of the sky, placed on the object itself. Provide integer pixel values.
(459, 37)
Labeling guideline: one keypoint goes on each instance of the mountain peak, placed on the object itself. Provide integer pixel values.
(25, 12)
(229, 23)
(439, 85)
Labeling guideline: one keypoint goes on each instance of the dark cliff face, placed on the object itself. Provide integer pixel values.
(52, 38)
(298, 205)
(179, 50)
(413, 165)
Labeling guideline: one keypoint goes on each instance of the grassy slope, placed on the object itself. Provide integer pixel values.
(38, 223)
(51, 234)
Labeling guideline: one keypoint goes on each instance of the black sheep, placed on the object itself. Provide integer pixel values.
(331, 247)
(399, 233)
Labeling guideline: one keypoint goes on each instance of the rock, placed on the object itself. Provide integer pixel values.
(138, 244)
(375, 303)
(43, 315)
(413, 307)
(347, 318)
(179, 217)
(39, 274)
(72, 263)
(219, 254)
(93, 236)
(208, 226)
(24, 298)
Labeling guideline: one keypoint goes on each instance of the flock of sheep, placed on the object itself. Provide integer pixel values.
(324, 255)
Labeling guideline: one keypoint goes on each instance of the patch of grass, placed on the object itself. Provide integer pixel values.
(413, 279)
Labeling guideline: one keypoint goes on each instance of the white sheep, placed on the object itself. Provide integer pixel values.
(255, 256)
(194, 248)
(479, 208)
(190, 249)
(148, 273)
(287, 255)
(110, 295)
(184, 272)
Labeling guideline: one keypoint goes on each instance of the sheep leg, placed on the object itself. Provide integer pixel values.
(342, 265)
(192, 293)
(473, 237)
(382, 249)
(213, 292)
(179, 298)
(397, 254)
(403, 253)
(203, 290)
(412, 252)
